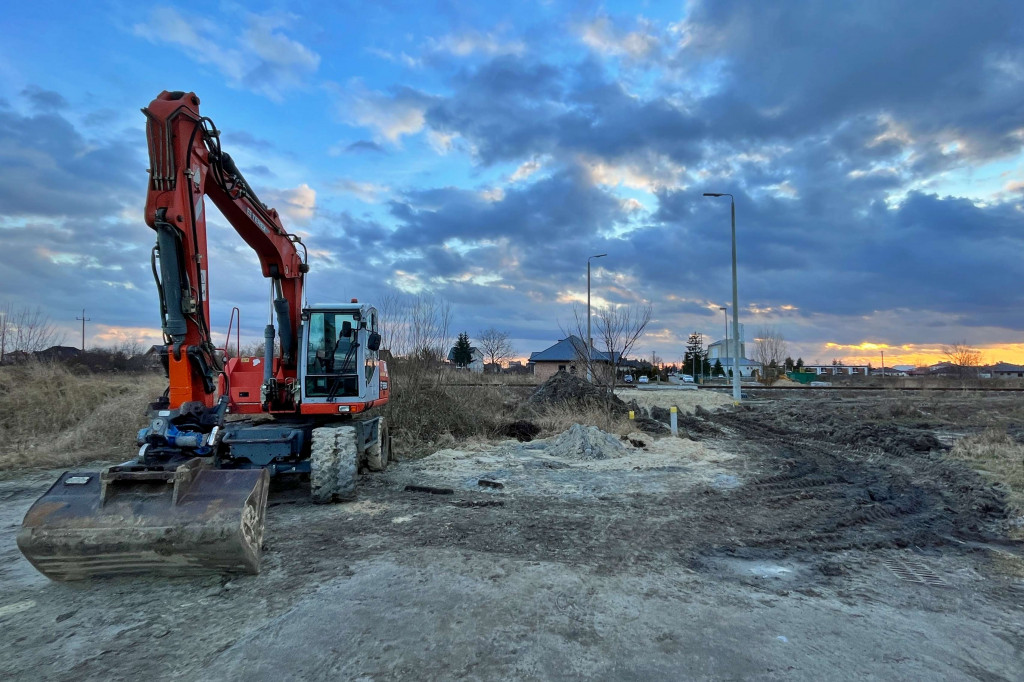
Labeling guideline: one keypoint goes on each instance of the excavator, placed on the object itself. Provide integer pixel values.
(193, 499)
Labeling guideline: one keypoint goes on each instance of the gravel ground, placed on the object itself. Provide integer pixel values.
(810, 537)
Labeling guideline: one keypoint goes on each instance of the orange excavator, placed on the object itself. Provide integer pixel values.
(193, 499)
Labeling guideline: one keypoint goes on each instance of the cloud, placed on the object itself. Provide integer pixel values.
(48, 168)
(365, 191)
(392, 114)
(297, 205)
(610, 39)
(259, 58)
(360, 147)
(471, 42)
(44, 100)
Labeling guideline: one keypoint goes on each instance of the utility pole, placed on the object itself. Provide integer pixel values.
(84, 319)
(883, 364)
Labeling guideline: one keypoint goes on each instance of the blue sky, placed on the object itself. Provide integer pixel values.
(481, 151)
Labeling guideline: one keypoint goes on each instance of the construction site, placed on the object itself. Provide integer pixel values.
(799, 535)
(327, 505)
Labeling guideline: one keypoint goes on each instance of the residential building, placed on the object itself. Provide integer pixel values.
(568, 355)
(1004, 370)
(475, 365)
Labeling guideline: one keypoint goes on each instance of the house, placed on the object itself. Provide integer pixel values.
(747, 367)
(57, 353)
(1004, 370)
(568, 355)
(719, 350)
(475, 365)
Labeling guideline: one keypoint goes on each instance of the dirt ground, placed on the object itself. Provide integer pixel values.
(816, 535)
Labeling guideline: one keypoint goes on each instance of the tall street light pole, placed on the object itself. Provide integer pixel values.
(590, 341)
(735, 301)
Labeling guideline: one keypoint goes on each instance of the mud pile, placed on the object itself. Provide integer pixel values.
(585, 442)
(563, 387)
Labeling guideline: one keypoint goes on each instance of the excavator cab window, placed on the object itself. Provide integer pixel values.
(331, 369)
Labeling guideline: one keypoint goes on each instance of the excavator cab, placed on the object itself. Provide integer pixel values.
(340, 363)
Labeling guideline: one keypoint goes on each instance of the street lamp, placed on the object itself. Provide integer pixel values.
(735, 300)
(590, 341)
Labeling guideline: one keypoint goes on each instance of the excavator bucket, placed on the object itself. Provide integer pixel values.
(132, 520)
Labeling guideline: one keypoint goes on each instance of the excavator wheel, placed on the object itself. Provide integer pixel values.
(378, 455)
(334, 464)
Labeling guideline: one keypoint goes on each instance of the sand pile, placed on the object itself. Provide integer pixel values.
(585, 442)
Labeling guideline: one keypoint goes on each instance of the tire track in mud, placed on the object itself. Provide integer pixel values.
(835, 495)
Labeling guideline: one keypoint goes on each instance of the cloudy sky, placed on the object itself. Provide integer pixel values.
(482, 151)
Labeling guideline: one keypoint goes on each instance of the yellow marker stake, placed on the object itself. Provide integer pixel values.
(674, 420)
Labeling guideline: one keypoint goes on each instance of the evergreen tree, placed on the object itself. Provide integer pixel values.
(799, 364)
(789, 364)
(718, 370)
(462, 353)
(694, 359)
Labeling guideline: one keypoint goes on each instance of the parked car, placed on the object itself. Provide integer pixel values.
(628, 378)
(687, 379)
(644, 380)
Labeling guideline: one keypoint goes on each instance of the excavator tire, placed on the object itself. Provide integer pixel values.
(378, 455)
(334, 464)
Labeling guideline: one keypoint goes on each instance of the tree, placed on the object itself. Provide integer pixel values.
(616, 330)
(693, 361)
(26, 330)
(718, 370)
(789, 364)
(769, 351)
(799, 364)
(495, 346)
(462, 353)
(964, 359)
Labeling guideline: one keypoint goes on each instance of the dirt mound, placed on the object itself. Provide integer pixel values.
(522, 430)
(563, 387)
(585, 442)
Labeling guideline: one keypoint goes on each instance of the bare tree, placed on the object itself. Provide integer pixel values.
(616, 330)
(26, 330)
(415, 326)
(770, 352)
(429, 328)
(964, 359)
(496, 346)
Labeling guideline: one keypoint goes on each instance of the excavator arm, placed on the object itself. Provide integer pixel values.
(170, 510)
(187, 165)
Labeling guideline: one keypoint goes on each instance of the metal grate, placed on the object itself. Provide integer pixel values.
(914, 571)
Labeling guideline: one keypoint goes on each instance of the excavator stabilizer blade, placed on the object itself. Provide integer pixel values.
(138, 521)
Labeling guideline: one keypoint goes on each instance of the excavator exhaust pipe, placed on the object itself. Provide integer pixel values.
(134, 520)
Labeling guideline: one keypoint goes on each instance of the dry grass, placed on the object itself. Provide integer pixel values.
(554, 419)
(51, 417)
(998, 457)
